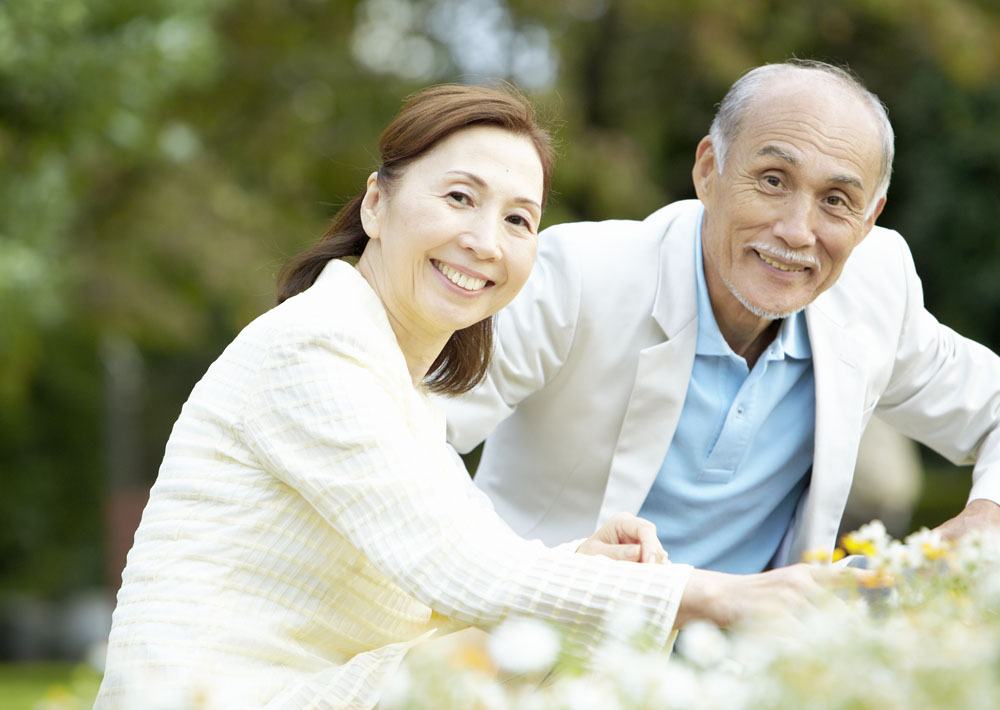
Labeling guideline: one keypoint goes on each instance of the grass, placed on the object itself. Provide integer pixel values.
(47, 686)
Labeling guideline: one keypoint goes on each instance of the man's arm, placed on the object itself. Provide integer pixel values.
(945, 392)
(979, 514)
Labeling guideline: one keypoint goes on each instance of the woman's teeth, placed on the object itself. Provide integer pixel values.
(469, 283)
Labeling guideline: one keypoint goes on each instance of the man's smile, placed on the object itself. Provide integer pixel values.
(779, 265)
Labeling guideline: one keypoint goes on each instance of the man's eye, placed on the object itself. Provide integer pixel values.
(772, 180)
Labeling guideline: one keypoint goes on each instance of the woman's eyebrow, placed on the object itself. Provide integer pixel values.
(482, 183)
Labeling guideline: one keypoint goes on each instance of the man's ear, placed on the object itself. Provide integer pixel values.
(870, 221)
(705, 168)
(878, 210)
(371, 208)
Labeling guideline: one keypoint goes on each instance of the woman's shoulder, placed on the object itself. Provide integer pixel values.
(340, 307)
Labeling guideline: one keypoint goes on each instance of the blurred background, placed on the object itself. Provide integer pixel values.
(159, 159)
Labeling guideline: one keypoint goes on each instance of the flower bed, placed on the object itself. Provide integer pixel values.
(923, 631)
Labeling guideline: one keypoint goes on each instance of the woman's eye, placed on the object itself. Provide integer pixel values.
(519, 221)
(459, 197)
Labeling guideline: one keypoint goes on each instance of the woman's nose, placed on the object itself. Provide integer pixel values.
(482, 239)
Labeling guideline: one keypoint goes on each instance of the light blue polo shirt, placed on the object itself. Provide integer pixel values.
(742, 452)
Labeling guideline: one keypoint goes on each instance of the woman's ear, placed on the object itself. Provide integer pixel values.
(371, 208)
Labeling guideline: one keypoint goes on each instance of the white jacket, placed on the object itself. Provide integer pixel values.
(309, 519)
(594, 356)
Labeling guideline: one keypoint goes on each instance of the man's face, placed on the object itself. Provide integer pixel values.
(792, 201)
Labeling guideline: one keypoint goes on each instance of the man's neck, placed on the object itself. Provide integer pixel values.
(750, 342)
(747, 334)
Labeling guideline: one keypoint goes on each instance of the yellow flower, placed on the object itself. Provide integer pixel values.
(816, 554)
(822, 555)
(876, 579)
(856, 546)
(473, 657)
(933, 552)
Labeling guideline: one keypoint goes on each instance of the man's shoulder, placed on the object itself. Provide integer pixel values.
(880, 259)
(619, 237)
(874, 280)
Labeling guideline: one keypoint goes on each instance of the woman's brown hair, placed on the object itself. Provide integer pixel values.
(424, 120)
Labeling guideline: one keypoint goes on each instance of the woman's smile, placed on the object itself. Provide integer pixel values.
(464, 281)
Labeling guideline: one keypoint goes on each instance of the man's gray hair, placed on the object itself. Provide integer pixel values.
(737, 100)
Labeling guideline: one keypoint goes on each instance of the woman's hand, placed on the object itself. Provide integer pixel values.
(625, 537)
(774, 598)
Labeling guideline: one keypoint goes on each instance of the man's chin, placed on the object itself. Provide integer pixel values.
(767, 313)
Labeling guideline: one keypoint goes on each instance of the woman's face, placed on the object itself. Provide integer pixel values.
(454, 237)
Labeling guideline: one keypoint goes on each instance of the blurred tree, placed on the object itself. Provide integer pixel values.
(83, 87)
(162, 157)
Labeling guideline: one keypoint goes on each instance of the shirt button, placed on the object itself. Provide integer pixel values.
(739, 410)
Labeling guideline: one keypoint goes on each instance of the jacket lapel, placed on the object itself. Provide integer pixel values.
(662, 375)
(840, 404)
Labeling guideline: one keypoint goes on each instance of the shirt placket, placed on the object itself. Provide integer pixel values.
(737, 431)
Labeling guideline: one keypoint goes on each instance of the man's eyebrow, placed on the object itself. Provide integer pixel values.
(482, 183)
(778, 153)
(848, 180)
(792, 160)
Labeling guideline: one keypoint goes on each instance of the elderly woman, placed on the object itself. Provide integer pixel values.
(309, 523)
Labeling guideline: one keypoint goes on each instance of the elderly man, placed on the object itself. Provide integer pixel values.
(712, 367)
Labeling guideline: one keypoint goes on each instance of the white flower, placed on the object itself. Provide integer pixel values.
(521, 645)
(483, 693)
(928, 543)
(897, 558)
(989, 588)
(625, 623)
(587, 694)
(398, 689)
(703, 644)
(680, 688)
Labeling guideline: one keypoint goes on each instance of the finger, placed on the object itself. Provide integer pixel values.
(650, 545)
(634, 529)
(627, 553)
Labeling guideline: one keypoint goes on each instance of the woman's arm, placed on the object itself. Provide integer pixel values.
(329, 416)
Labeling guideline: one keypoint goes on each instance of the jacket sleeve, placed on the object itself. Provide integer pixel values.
(532, 338)
(327, 420)
(944, 391)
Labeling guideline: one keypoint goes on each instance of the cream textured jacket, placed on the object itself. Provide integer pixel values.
(309, 524)
(595, 353)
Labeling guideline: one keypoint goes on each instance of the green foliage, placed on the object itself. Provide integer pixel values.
(47, 686)
(83, 90)
(161, 158)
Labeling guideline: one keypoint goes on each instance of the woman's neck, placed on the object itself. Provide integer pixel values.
(420, 346)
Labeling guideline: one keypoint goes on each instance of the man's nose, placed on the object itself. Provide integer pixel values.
(794, 225)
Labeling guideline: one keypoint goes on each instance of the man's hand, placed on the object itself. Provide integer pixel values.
(625, 537)
(980, 514)
(775, 599)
